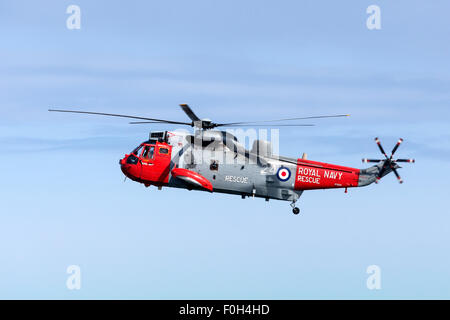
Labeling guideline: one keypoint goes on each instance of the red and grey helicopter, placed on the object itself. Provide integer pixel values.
(214, 161)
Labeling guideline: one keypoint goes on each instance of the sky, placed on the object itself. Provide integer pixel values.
(64, 200)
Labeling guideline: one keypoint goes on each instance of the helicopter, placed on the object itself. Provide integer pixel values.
(214, 160)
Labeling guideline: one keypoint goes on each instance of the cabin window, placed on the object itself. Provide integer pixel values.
(214, 166)
(163, 151)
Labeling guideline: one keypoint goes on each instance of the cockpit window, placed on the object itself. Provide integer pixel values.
(152, 151)
(136, 151)
(145, 153)
(148, 152)
(163, 150)
(132, 159)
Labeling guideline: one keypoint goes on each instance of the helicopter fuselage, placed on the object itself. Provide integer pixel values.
(175, 160)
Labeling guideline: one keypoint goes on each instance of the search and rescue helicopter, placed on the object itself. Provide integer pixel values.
(214, 161)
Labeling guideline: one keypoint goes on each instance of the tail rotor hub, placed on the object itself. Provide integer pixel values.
(388, 162)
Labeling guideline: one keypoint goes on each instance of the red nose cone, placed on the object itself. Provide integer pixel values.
(129, 168)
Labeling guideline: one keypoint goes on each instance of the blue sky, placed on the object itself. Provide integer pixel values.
(64, 201)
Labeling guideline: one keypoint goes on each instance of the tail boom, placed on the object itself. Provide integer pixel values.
(319, 175)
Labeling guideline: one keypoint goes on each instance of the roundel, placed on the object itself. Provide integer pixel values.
(283, 174)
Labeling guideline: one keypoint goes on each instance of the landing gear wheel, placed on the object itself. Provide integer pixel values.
(296, 210)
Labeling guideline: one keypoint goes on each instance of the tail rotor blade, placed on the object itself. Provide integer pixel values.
(396, 174)
(381, 148)
(406, 160)
(371, 160)
(399, 142)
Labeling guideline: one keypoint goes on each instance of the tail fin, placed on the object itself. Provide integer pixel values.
(369, 175)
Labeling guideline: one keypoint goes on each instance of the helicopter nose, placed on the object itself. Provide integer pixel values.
(128, 167)
(123, 161)
(123, 165)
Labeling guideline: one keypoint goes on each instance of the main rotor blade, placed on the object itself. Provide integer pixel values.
(189, 112)
(120, 115)
(265, 125)
(381, 148)
(399, 142)
(144, 122)
(287, 119)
